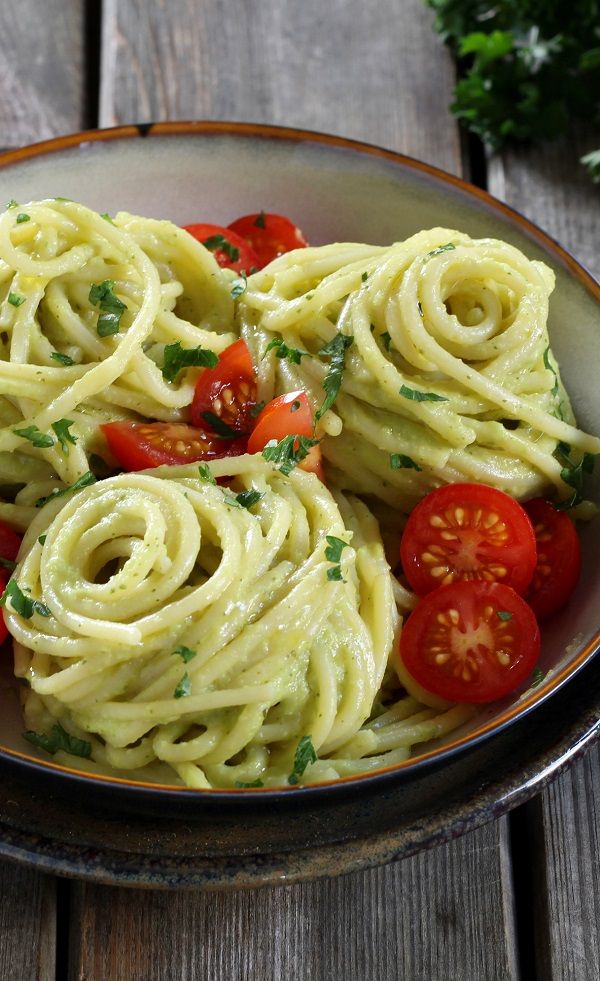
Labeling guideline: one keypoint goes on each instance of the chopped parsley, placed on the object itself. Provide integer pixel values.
(257, 409)
(386, 339)
(239, 286)
(63, 359)
(42, 539)
(205, 474)
(84, 481)
(292, 354)
(33, 434)
(185, 653)
(22, 217)
(15, 300)
(364, 277)
(60, 739)
(416, 396)
(503, 615)
(399, 461)
(220, 428)
(248, 498)
(547, 364)
(107, 217)
(305, 754)
(449, 247)
(289, 451)
(573, 475)
(184, 687)
(12, 204)
(335, 349)
(218, 243)
(420, 306)
(333, 553)
(22, 604)
(112, 308)
(176, 358)
(259, 221)
(8, 564)
(537, 676)
(253, 783)
(61, 428)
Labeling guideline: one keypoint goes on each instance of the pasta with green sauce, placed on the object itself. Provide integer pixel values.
(235, 624)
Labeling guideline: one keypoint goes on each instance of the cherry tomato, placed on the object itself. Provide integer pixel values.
(3, 628)
(470, 641)
(140, 445)
(231, 251)
(269, 235)
(225, 395)
(558, 558)
(468, 531)
(313, 463)
(281, 417)
(10, 542)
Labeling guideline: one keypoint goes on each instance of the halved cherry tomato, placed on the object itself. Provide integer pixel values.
(558, 558)
(313, 463)
(281, 417)
(269, 235)
(468, 531)
(140, 445)
(227, 392)
(470, 641)
(231, 251)
(10, 542)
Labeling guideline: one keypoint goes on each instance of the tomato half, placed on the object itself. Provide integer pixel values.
(558, 558)
(269, 235)
(471, 641)
(281, 417)
(229, 249)
(10, 542)
(225, 395)
(471, 532)
(140, 445)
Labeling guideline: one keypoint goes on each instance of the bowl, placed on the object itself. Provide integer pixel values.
(335, 189)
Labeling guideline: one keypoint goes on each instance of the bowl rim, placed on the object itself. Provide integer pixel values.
(268, 132)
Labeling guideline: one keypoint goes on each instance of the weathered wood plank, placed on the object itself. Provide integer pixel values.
(412, 921)
(27, 925)
(374, 72)
(42, 92)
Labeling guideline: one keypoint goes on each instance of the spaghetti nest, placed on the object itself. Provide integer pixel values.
(437, 351)
(209, 628)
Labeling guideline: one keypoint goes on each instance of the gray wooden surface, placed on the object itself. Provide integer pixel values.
(516, 899)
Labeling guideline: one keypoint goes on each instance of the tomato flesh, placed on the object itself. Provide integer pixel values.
(471, 641)
(468, 532)
(558, 564)
(10, 542)
(231, 250)
(226, 394)
(269, 235)
(140, 445)
(281, 417)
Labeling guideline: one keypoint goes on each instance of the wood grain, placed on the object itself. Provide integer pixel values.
(42, 91)
(374, 71)
(414, 920)
(27, 925)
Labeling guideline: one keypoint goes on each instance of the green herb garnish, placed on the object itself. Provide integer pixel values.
(335, 349)
(399, 461)
(107, 217)
(184, 687)
(239, 286)
(292, 354)
(12, 204)
(415, 396)
(22, 604)
(185, 653)
(59, 739)
(305, 754)
(449, 247)
(386, 338)
(257, 409)
(33, 434)
(22, 217)
(259, 221)
(176, 358)
(220, 428)
(537, 676)
(503, 615)
(61, 428)
(364, 277)
(42, 539)
(253, 783)
(84, 481)
(205, 474)
(333, 553)
(109, 320)
(63, 359)
(15, 300)
(218, 243)
(289, 451)
(248, 498)
(573, 475)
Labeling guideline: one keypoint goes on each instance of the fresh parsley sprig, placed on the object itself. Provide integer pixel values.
(282, 351)
(218, 243)
(84, 481)
(35, 436)
(399, 461)
(305, 754)
(416, 396)
(185, 653)
(21, 603)
(60, 739)
(333, 553)
(176, 358)
(289, 451)
(61, 428)
(111, 307)
(335, 350)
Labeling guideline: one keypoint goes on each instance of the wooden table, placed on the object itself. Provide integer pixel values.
(519, 898)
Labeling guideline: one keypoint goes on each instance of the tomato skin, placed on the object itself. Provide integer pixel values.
(141, 445)
(246, 259)
(269, 235)
(313, 463)
(470, 532)
(452, 640)
(10, 542)
(281, 417)
(558, 558)
(227, 391)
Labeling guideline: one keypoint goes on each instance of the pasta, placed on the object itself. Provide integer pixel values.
(236, 624)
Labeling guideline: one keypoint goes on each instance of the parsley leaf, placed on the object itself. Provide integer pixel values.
(257, 409)
(537, 676)
(449, 247)
(292, 354)
(305, 754)
(60, 739)
(386, 339)
(218, 243)
(399, 461)
(33, 434)
(15, 300)
(42, 539)
(22, 217)
(573, 475)
(254, 783)
(63, 359)
(547, 365)
(503, 615)
(335, 547)
(205, 474)
(248, 498)
(185, 653)
(335, 573)
(259, 221)
(107, 217)
(12, 204)
(22, 604)
(176, 358)
(239, 286)
(84, 481)
(220, 428)
(184, 687)
(289, 451)
(416, 396)
(364, 277)
(335, 349)
(102, 295)
(61, 428)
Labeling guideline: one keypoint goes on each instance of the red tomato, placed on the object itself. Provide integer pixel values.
(269, 235)
(227, 392)
(230, 250)
(558, 558)
(468, 531)
(470, 641)
(313, 463)
(3, 628)
(140, 445)
(9, 542)
(281, 417)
